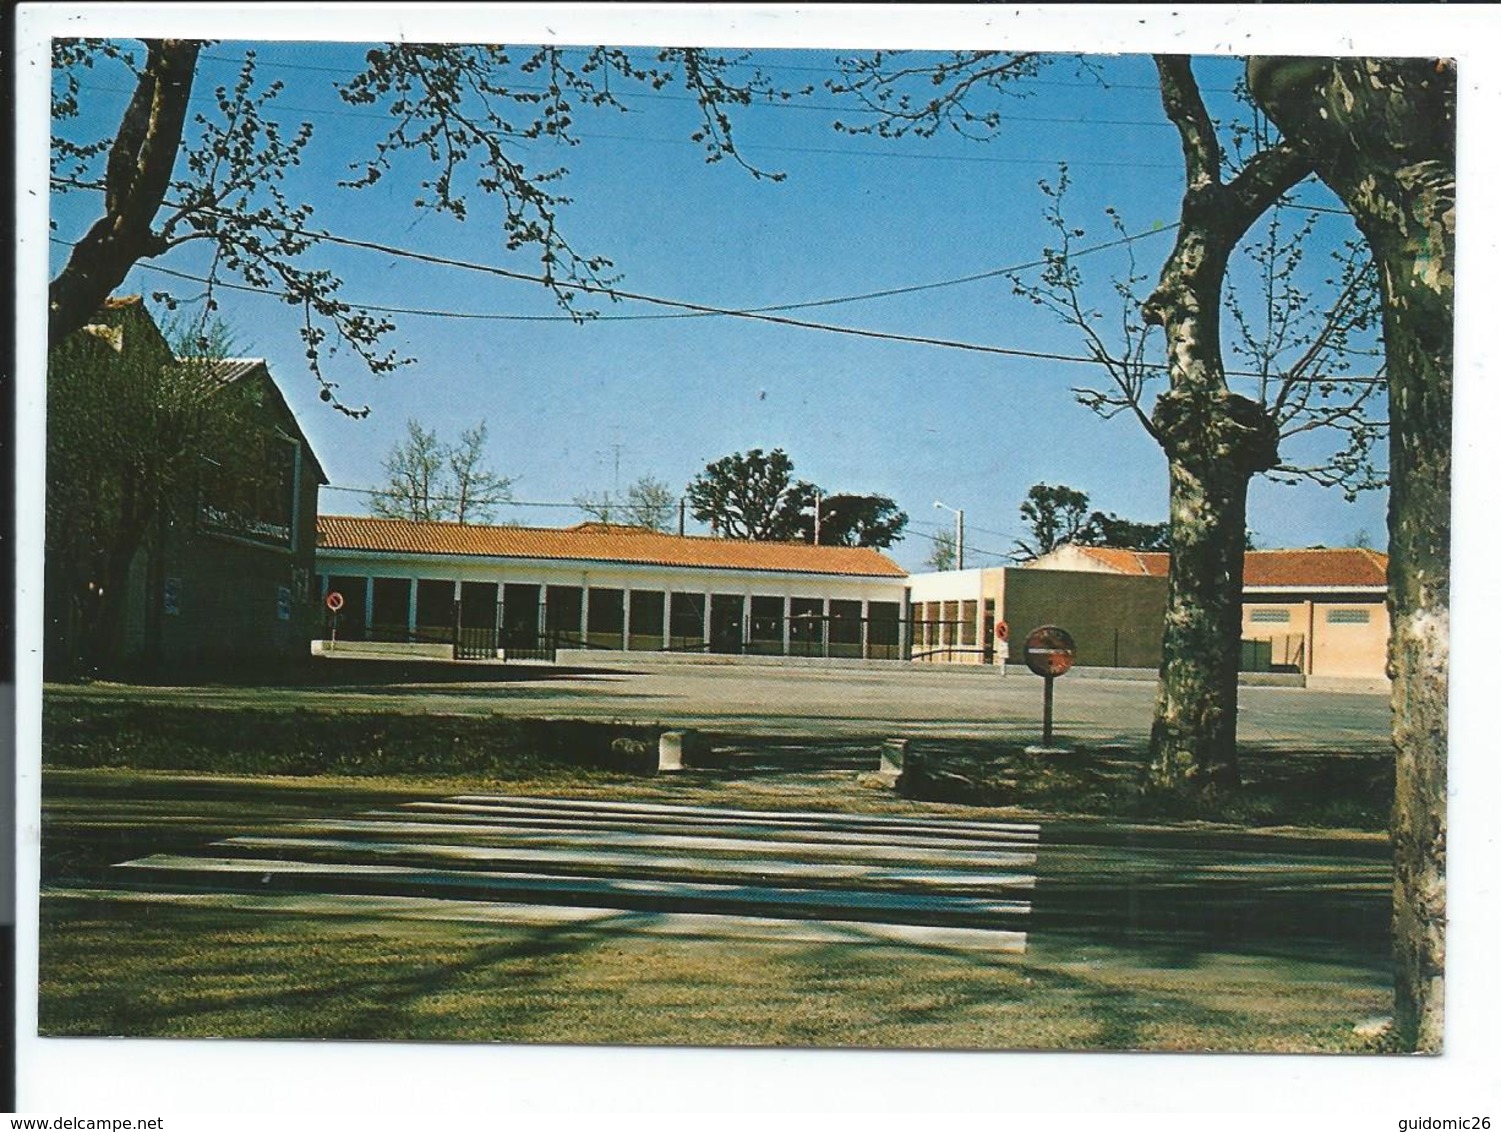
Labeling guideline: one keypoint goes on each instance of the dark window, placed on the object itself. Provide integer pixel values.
(565, 610)
(687, 617)
(521, 610)
(478, 600)
(844, 622)
(390, 602)
(606, 611)
(646, 616)
(726, 622)
(806, 626)
(434, 604)
(352, 616)
(766, 624)
(885, 623)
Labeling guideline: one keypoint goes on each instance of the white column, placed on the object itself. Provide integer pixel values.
(666, 617)
(787, 625)
(708, 604)
(412, 606)
(543, 627)
(826, 626)
(584, 613)
(865, 628)
(625, 621)
(369, 602)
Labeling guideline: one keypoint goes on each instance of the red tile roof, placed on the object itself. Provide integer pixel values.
(1321, 566)
(1267, 569)
(598, 542)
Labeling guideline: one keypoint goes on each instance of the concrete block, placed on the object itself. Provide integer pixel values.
(670, 750)
(894, 756)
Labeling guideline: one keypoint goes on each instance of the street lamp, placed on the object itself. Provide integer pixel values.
(958, 530)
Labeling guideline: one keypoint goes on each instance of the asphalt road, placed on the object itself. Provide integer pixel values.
(816, 702)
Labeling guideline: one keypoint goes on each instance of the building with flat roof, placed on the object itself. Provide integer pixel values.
(511, 591)
(1319, 612)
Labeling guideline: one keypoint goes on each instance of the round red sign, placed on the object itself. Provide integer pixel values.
(1002, 630)
(334, 601)
(1049, 651)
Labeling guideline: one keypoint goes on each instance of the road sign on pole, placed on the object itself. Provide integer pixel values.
(1049, 652)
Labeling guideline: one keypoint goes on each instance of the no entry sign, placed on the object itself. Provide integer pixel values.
(334, 601)
(1049, 651)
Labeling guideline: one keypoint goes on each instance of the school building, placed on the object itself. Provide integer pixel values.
(499, 591)
(1318, 612)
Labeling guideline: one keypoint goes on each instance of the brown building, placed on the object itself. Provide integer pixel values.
(222, 576)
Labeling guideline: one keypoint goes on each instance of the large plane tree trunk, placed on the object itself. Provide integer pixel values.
(1215, 441)
(1381, 133)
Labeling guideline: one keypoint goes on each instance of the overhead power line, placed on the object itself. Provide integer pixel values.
(584, 287)
(889, 292)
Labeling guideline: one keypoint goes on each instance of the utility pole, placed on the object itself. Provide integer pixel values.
(817, 517)
(958, 531)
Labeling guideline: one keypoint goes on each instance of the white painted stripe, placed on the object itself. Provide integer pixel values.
(795, 816)
(760, 868)
(457, 814)
(706, 926)
(734, 846)
(598, 887)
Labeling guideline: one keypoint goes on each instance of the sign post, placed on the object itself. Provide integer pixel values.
(1049, 652)
(335, 602)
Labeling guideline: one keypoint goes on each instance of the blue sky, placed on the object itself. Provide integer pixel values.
(663, 396)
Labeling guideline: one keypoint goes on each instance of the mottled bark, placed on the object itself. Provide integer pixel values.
(137, 175)
(1381, 132)
(1215, 441)
(1214, 449)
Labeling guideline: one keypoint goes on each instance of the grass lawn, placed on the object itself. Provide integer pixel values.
(180, 970)
(220, 965)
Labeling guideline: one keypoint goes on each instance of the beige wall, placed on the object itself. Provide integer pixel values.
(1115, 620)
(1323, 638)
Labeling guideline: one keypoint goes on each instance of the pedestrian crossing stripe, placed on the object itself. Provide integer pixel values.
(897, 877)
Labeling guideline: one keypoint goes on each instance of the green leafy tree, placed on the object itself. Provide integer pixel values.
(752, 496)
(428, 480)
(1055, 515)
(857, 520)
(1059, 515)
(1112, 530)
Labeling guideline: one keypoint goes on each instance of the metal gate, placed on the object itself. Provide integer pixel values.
(489, 643)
